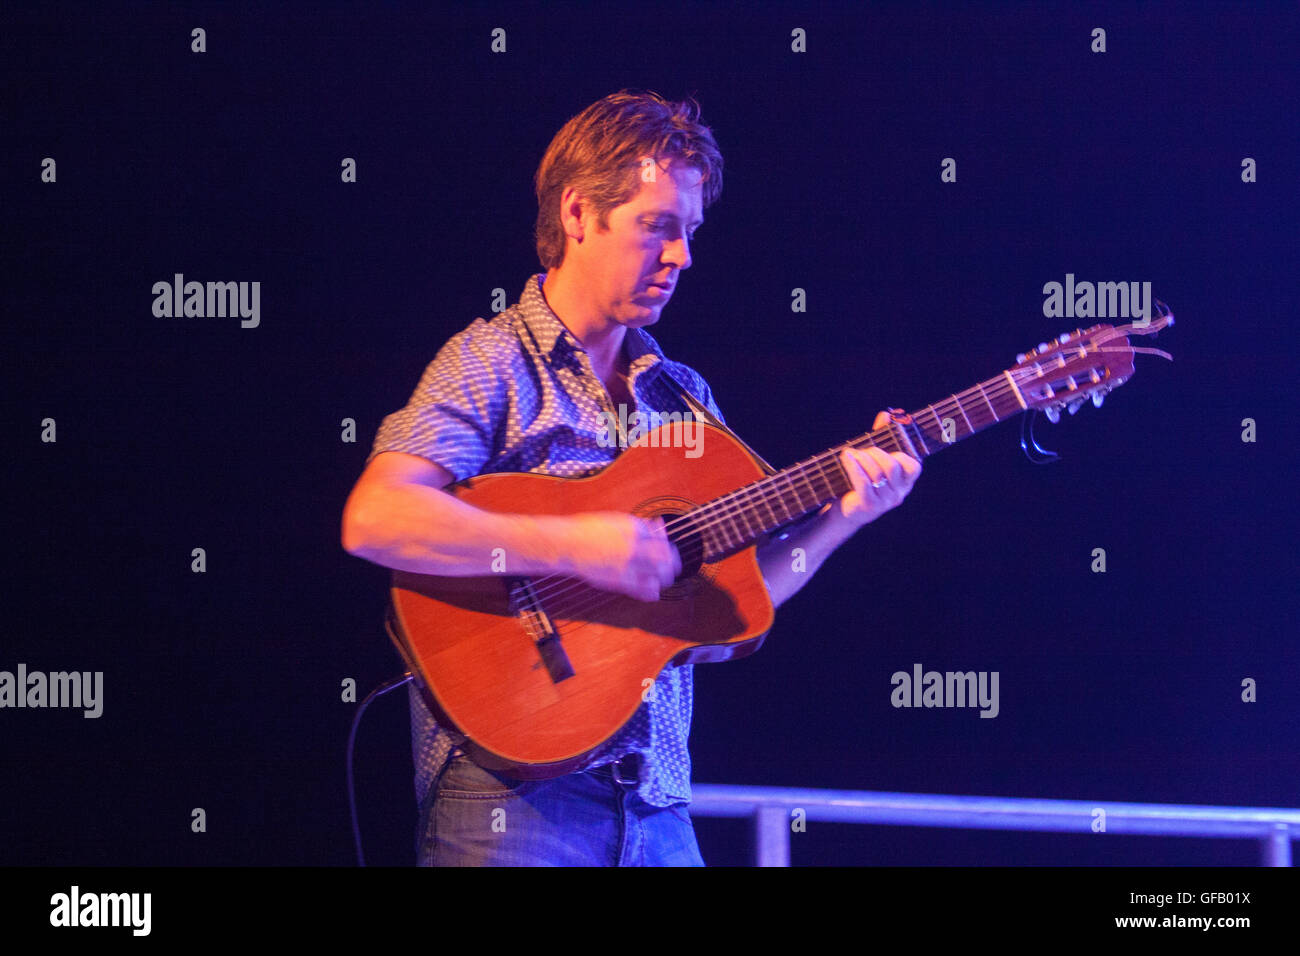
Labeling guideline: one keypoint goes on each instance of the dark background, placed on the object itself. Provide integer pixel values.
(222, 689)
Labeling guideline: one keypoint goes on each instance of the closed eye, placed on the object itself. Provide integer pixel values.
(659, 224)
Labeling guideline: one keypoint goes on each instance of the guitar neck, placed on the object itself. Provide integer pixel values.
(740, 518)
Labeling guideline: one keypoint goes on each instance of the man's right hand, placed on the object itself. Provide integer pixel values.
(624, 554)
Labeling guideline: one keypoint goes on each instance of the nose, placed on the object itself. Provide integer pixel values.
(677, 252)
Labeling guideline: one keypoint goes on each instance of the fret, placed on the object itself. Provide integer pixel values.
(822, 465)
(725, 520)
(781, 495)
(1008, 400)
(938, 424)
(766, 498)
(747, 513)
(898, 434)
(810, 472)
(807, 494)
(712, 543)
(1016, 390)
(961, 410)
(966, 418)
(987, 402)
(790, 508)
(790, 494)
(746, 507)
(916, 427)
(812, 497)
(790, 497)
(838, 479)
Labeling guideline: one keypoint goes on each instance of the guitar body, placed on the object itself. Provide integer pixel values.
(477, 657)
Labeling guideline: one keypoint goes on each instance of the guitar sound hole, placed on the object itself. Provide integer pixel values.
(689, 542)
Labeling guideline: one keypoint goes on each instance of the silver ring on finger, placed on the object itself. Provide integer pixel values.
(880, 484)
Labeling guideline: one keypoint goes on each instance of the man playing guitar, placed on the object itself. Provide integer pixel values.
(621, 190)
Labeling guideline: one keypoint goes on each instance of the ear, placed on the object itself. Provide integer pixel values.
(573, 209)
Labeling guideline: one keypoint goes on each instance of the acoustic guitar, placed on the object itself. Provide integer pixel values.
(531, 675)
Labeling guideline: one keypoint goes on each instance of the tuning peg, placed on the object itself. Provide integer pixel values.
(1063, 338)
(1020, 358)
(1053, 413)
(1074, 405)
(1097, 398)
(1042, 347)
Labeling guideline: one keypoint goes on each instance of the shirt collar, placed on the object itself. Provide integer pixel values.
(554, 338)
(545, 326)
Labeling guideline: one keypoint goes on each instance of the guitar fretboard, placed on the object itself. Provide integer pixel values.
(736, 520)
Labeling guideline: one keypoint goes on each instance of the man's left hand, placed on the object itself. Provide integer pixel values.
(881, 480)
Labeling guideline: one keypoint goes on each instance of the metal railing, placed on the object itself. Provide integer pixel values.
(774, 809)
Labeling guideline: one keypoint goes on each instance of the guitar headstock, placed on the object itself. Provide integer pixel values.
(1083, 364)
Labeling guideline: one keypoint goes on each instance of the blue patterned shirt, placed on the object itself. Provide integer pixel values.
(517, 392)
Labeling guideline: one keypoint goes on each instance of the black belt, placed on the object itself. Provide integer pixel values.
(626, 770)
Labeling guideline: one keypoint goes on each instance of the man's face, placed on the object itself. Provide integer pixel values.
(633, 267)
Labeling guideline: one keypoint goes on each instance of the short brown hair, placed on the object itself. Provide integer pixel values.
(599, 152)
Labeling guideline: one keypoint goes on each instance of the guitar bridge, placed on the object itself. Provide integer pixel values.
(526, 606)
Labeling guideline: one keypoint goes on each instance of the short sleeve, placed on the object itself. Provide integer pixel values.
(453, 415)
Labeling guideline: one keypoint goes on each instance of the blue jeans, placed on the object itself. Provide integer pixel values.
(473, 817)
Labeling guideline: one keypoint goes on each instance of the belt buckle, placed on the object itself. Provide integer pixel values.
(632, 764)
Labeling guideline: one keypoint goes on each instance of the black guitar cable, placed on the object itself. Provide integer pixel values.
(379, 691)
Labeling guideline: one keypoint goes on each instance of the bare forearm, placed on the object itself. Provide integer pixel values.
(414, 526)
(426, 531)
(788, 565)
(880, 482)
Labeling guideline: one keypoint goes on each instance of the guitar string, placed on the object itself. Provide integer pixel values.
(554, 588)
(558, 594)
(564, 586)
(744, 496)
(727, 511)
(597, 598)
(735, 506)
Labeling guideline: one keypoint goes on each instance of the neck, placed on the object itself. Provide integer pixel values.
(601, 336)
